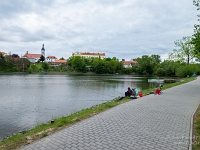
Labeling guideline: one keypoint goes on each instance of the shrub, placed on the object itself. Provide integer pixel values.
(188, 70)
(160, 72)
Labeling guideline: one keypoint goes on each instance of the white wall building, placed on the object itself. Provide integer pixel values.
(89, 55)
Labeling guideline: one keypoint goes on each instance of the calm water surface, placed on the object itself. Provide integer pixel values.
(27, 100)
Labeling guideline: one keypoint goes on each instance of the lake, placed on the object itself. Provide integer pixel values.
(28, 100)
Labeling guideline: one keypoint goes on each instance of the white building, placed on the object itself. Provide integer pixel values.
(89, 55)
(130, 63)
(33, 58)
(50, 59)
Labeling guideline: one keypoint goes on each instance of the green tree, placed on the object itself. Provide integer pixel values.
(155, 61)
(188, 70)
(101, 67)
(78, 64)
(33, 68)
(112, 66)
(62, 58)
(145, 65)
(45, 66)
(42, 58)
(94, 64)
(2, 62)
(169, 67)
(186, 51)
(128, 70)
(22, 64)
(196, 35)
(196, 42)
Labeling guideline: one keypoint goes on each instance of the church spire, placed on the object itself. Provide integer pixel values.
(43, 47)
(43, 50)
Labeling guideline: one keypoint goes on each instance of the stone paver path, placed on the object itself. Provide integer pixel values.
(161, 122)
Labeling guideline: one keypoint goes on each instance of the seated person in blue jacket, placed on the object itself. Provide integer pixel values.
(129, 92)
(136, 91)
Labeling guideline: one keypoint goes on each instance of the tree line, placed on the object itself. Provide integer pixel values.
(96, 65)
(13, 63)
(146, 65)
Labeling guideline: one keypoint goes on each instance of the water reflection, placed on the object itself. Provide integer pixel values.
(27, 100)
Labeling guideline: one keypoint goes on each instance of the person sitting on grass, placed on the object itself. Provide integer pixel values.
(136, 91)
(133, 92)
(129, 92)
(157, 92)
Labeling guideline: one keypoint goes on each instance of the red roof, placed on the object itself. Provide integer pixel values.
(3, 53)
(129, 62)
(32, 55)
(88, 53)
(60, 61)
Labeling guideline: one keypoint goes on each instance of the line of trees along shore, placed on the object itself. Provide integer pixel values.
(146, 65)
(180, 61)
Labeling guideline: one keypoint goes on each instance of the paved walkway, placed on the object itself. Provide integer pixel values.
(161, 122)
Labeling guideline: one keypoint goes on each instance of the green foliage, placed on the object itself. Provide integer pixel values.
(42, 58)
(101, 67)
(196, 35)
(97, 65)
(170, 67)
(24, 64)
(13, 64)
(94, 64)
(197, 3)
(45, 66)
(33, 68)
(128, 70)
(196, 41)
(78, 63)
(62, 58)
(148, 64)
(186, 51)
(188, 70)
(160, 72)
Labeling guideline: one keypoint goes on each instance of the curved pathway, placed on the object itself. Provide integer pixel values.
(161, 122)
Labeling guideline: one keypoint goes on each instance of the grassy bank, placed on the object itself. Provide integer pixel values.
(196, 130)
(44, 130)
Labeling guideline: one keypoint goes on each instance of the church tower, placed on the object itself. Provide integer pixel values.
(43, 51)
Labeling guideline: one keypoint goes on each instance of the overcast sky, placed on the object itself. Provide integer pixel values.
(119, 28)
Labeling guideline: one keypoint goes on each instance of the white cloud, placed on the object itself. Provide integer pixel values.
(120, 28)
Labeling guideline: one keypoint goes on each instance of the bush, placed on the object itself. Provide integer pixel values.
(188, 70)
(160, 72)
(128, 70)
(35, 68)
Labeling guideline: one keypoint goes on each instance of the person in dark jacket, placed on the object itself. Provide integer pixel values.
(129, 92)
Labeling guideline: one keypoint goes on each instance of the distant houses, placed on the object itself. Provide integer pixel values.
(130, 63)
(3, 53)
(50, 59)
(53, 61)
(59, 62)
